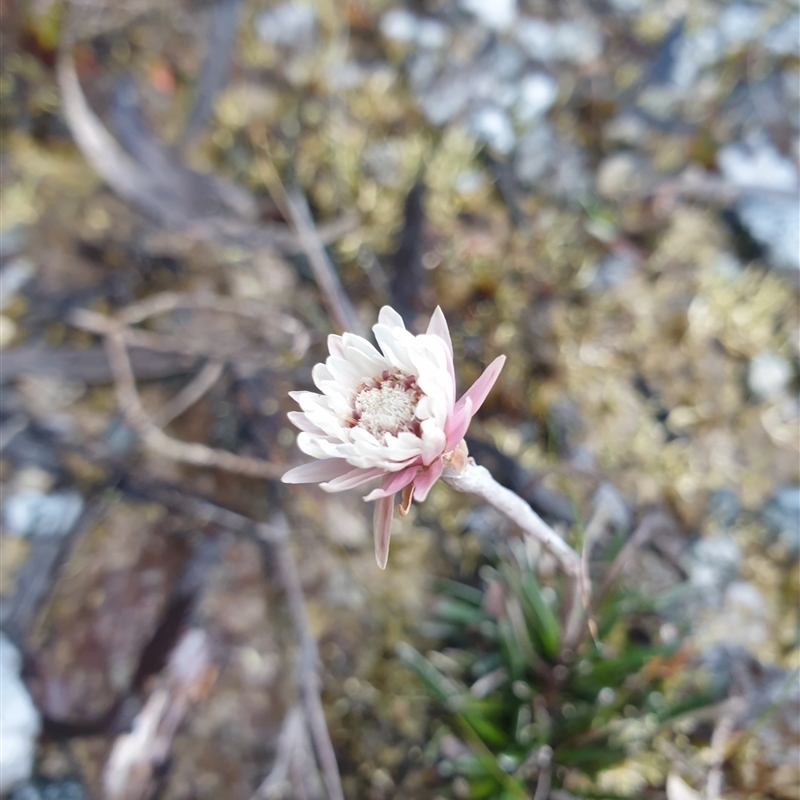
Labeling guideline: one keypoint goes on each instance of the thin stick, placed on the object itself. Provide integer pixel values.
(190, 394)
(294, 209)
(719, 739)
(199, 455)
(293, 732)
(647, 527)
(478, 480)
(308, 678)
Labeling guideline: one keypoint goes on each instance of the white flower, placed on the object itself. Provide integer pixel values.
(388, 414)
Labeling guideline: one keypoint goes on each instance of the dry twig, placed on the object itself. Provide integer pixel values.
(308, 677)
(294, 208)
(195, 453)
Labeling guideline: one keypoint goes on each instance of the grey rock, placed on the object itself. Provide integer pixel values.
(784, 38)
(492, 126)
(287, 25)
(13, 240)
(537, 94)
(447, 98)
(741, 23)
(33, 513)
(399, 25)
(498, 14)
(622, 174)
(628, 6)
(13, 277)
(694, 52)
(768, 374)
(536, 37)
(723, 507)
(627, 129)
(19, 721)
(68, 789)
(613, 270)
(616, 507)
(534, 156)
(576, 42)
(712, 564)
(756, 164)
(774, 222)
(781, 514)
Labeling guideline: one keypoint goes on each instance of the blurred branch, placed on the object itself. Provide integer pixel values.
(198, 206)
(294, 208)
(651, 523)
(130, 404)
(190, 394)
(308, 677)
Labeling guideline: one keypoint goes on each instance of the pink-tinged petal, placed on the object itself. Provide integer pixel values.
(426, 478)
(300, 420)
(438, 327)
(352, 479)
(389, 317)
(382, 525)
(335, 347)
(317, 471)
(433, 441)
(393, 483)
(457, 424)
(478, 391)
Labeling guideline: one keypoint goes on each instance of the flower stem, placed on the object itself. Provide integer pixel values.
(478, 480)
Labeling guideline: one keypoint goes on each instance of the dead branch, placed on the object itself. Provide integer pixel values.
(308, 677)
(189, 395)
(162, 188)
(293, 746)
(730, 715)
(294, 208)
(651, 523)
(195, 453)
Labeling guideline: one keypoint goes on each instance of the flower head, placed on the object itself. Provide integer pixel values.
(388, 413)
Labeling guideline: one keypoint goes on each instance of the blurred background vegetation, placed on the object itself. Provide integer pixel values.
(604, 190)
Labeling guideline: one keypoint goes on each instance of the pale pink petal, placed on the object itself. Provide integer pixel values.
(389, 317)
(478, 391)
(433, 440)
(300, 420)
(426, 478)
(352, 479)
(393, 483)
(316, 471)
(457, 424)
(335, 345)
(438, 327)
(382, 524)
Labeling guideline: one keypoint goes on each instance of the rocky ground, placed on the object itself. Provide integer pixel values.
(607, 193)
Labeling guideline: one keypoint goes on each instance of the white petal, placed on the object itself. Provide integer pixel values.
(316, 471)
(433, 441)
(438, 327)
(344, 372)
(389, 317)
(300, 420)
(352, 479)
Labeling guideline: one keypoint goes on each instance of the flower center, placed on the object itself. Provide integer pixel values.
(387, 405)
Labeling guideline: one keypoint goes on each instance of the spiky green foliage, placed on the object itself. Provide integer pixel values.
(526, 709)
